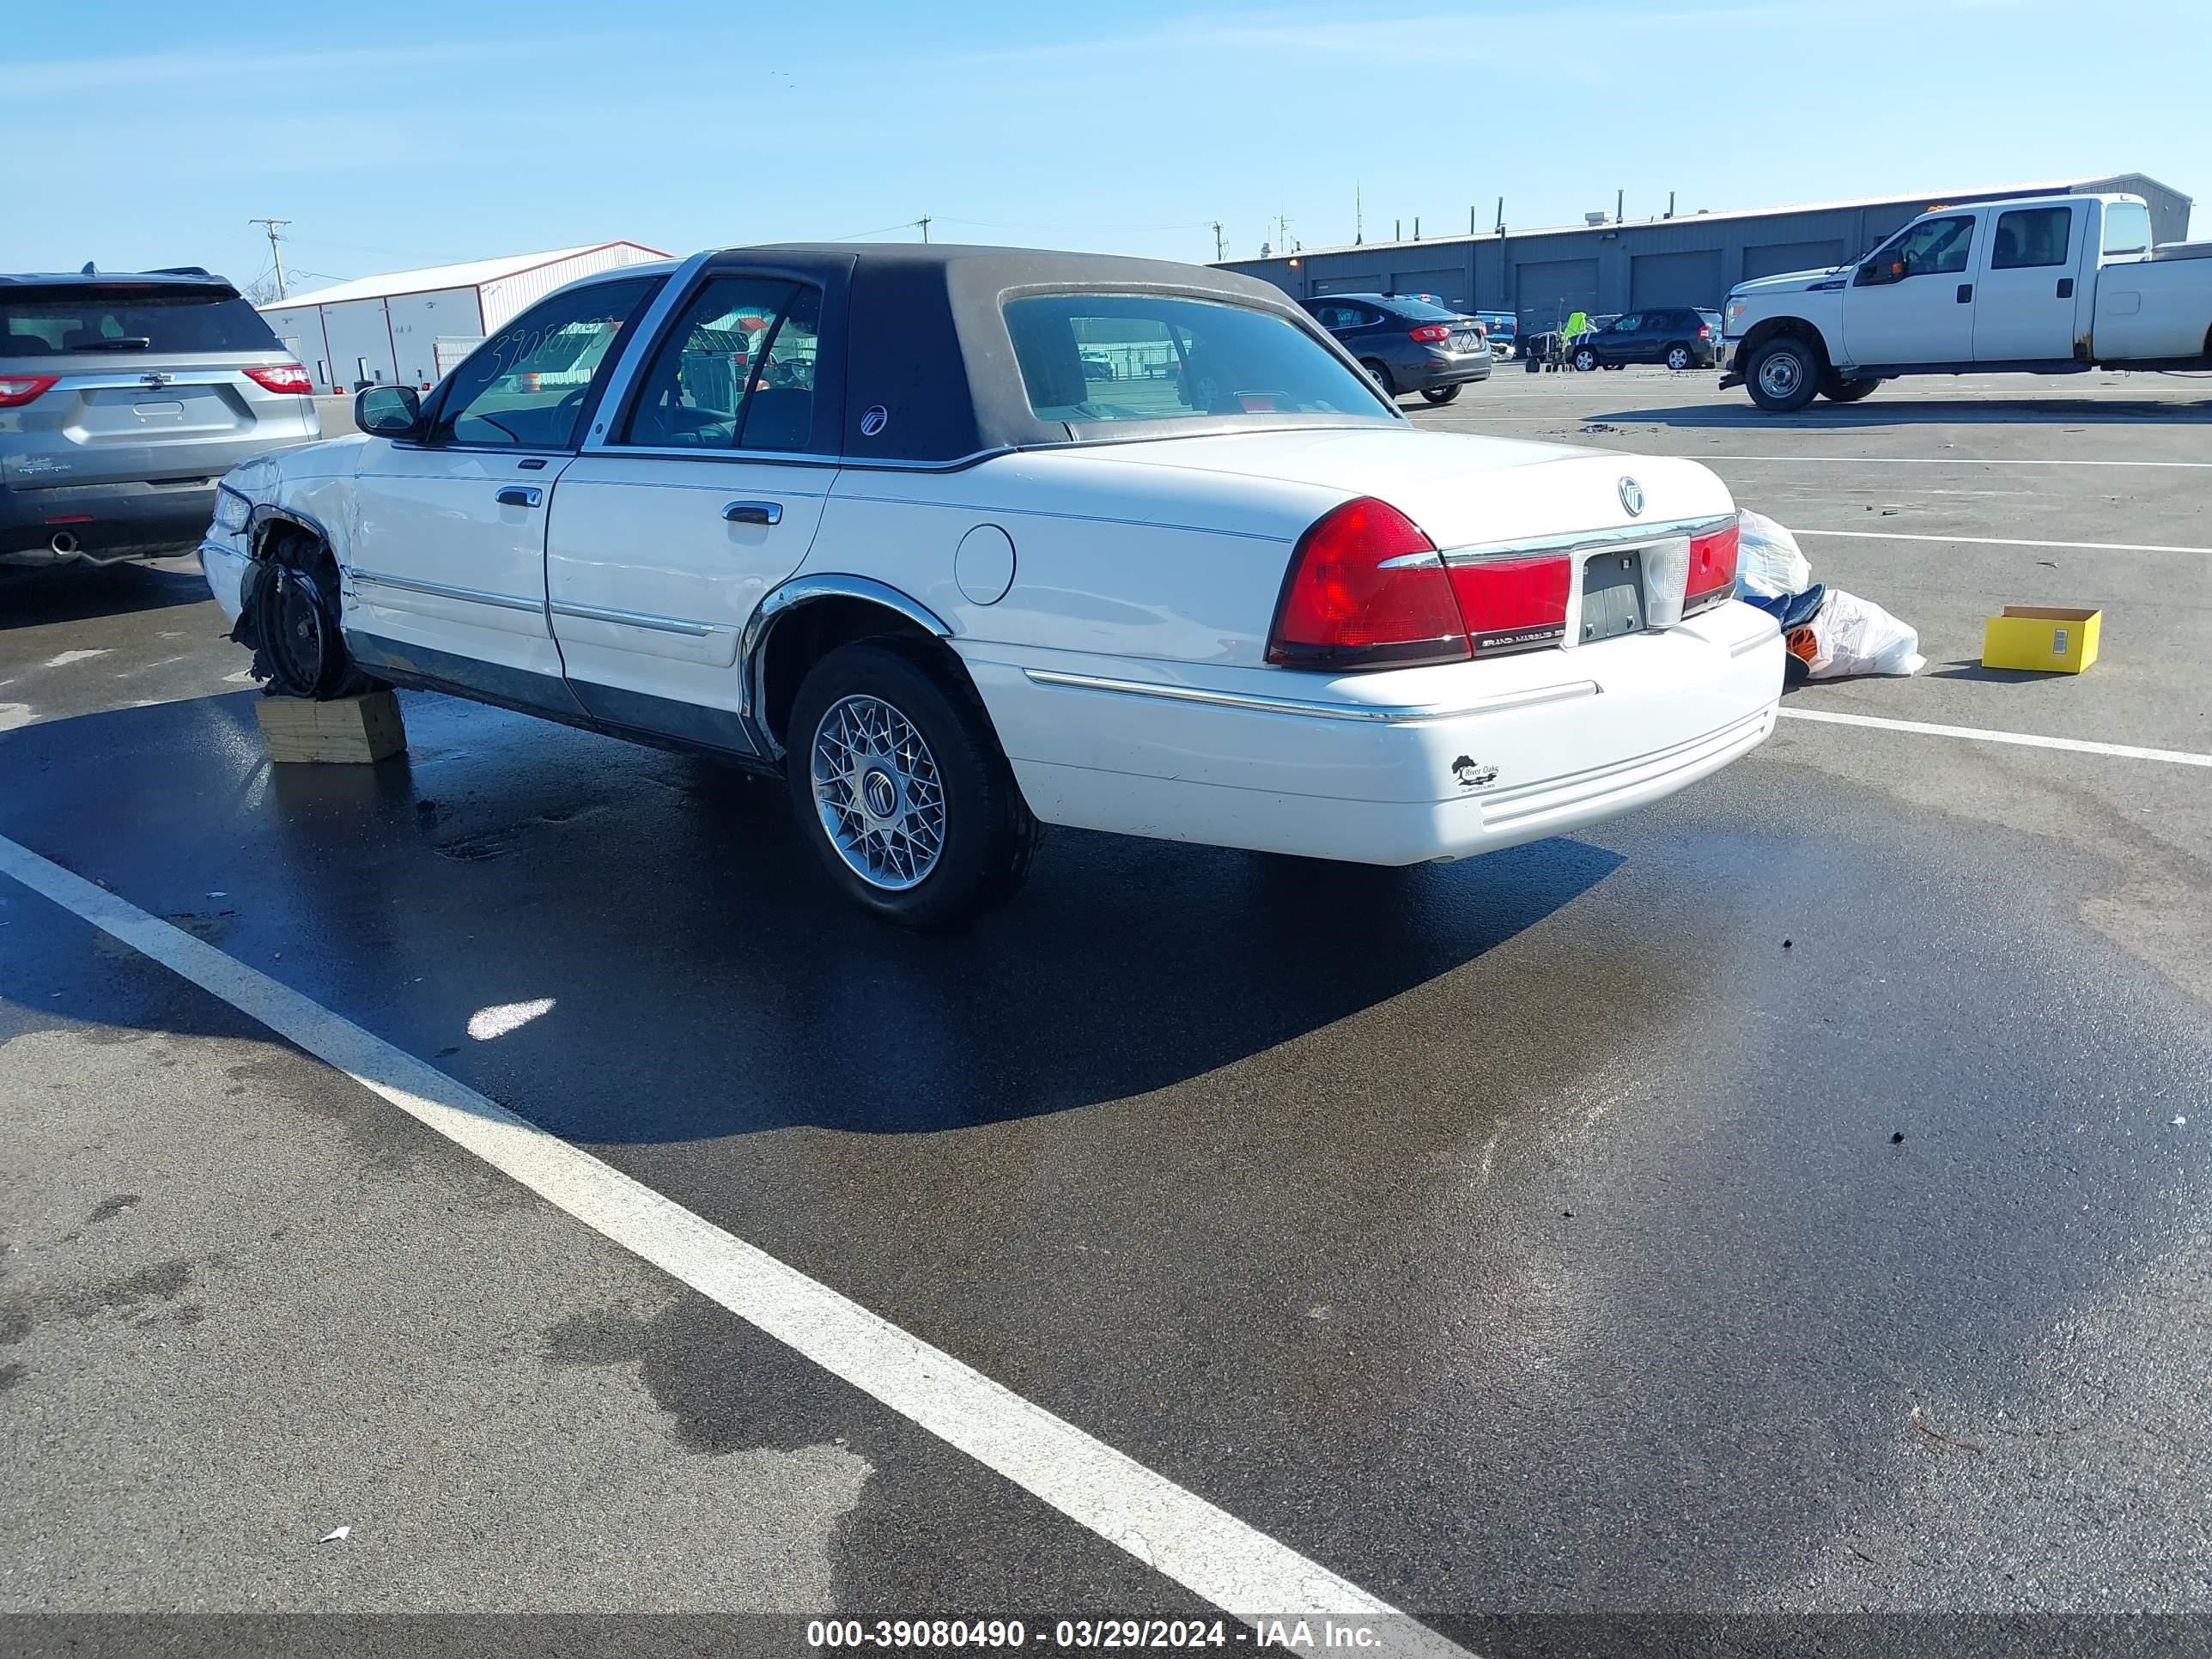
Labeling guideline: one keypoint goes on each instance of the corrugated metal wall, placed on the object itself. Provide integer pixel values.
(1529, 273)
(1690, 276)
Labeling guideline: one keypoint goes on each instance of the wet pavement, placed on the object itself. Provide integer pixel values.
(1770, 1202)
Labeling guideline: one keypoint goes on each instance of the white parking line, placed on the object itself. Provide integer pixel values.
(1982, 734)
(1177, 1534)
(1940, 461)
(2000, 541)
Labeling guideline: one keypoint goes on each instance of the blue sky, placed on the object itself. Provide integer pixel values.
(404, 133)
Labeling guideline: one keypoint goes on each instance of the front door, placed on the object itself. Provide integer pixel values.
(666, 536)
(1913, 301)
(445, 564)
(2023, 305)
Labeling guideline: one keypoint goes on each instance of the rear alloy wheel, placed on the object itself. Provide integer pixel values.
(1678, 357)
(1381, 371)
(1838, 390)
(1441, 394)
(1585, 359)
(897, 780)
(1783, 376)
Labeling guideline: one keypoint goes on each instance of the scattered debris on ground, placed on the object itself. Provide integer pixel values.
(1831, 635)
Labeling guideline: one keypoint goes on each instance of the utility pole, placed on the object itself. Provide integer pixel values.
(1217, 240)
(924, 222)
(1358, 229)
(1620, 200)
(275, 254)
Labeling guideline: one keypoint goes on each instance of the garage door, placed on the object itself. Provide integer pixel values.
(1370, 283)
(1676, 279)
(1450, 282)
(1778, 258)
(1549, 290)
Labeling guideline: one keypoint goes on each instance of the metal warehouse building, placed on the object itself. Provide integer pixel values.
(1627, 264)
(410, 326)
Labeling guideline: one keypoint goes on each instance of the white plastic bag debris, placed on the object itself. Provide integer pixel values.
(336, 1535)
(1767, 560)
(1852, 635)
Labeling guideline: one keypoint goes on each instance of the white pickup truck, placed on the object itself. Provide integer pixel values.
(2039, 285)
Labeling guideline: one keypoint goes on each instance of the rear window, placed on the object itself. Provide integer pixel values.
(2127, 228)
(119, 318)
(1421, 311)
(1105, 357)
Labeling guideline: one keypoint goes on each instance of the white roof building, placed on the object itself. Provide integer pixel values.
(409, 327)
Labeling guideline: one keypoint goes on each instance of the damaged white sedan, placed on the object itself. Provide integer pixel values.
(960, 540)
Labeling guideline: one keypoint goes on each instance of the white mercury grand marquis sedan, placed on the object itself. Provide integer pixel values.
(963, 540)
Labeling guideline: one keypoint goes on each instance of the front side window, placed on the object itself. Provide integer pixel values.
(1934, 247)
(1174, 358)
(734, 371)
(526, 385)
(2031, 236)
(1628, 324)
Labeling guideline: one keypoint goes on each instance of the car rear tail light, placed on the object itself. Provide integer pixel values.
(16, 390)
(1712, 567)
(1513, 605)
(1704, 331)
(283, 377)
(1365, 589)
(1431, 333)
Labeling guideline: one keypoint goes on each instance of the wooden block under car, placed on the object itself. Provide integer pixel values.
(356, 730)
(2043, 638)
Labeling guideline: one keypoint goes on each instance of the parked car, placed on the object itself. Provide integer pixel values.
(1680, 336)
(123, 399)
(1406, 344)
(2037, 285)
(952, 588)
(1503, 329)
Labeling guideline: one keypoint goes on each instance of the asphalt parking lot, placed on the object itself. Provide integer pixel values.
(1787, 1201)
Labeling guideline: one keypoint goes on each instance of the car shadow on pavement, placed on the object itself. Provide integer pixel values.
(76, 592)
(702, 978)
(1963, 411)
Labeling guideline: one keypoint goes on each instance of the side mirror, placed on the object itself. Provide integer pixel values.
(389, 411)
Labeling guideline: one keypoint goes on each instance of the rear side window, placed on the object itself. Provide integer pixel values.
(734, 371)
(1086, 358)
(128, 318)
(2127, 228)
(2031, 236)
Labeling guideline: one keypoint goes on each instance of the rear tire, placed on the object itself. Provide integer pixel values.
(898, 783)
(1836, 389)
(1381, 371)
(1782, 375)
(1441, 394)
(302, 650)
(1678, 357)
(1584, 360)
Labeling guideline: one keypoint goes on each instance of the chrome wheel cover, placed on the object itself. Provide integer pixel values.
(878, 791)
(1779, 375)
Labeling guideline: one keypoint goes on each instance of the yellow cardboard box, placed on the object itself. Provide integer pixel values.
(2036, 636)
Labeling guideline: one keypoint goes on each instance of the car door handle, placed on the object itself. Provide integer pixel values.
(2066, 288)
(1965, 292)
(754, 512)
(521, 495)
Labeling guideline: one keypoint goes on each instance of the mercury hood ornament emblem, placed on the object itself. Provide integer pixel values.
(1631, 496)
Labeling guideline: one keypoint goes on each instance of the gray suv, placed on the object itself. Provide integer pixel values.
(123, 399)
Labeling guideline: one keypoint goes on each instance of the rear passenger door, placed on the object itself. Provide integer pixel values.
(2024, 310)
(704, 492)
